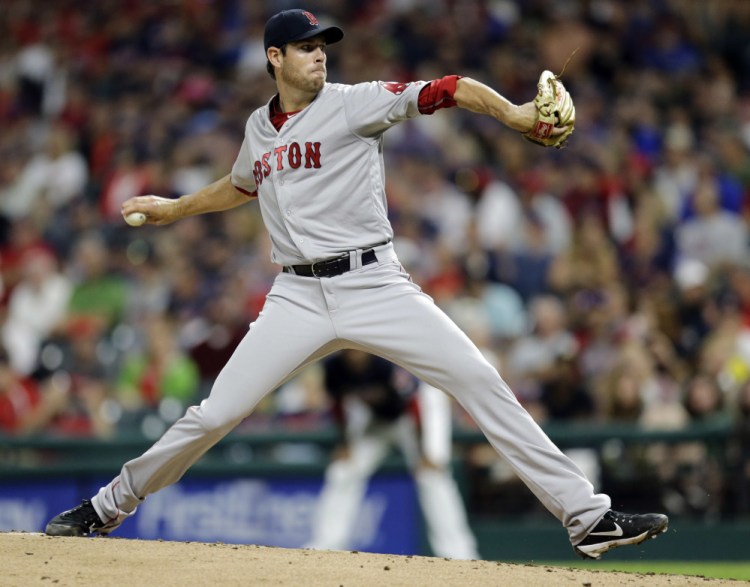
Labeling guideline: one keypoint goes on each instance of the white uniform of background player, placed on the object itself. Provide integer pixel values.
(381, 407)
(319, 179)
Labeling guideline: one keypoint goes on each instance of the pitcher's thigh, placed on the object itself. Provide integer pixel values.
(419, 336)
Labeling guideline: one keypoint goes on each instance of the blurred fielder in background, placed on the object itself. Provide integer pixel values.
(379, 406)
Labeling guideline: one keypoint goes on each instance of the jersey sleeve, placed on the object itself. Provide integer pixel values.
(372, 108)
(242, 171)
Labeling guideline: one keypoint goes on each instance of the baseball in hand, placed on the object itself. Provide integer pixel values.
(135, 218)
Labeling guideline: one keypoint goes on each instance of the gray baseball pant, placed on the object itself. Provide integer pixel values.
(376, 308)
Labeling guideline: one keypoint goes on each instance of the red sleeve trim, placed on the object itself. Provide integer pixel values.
(438, 94)
(248, 194)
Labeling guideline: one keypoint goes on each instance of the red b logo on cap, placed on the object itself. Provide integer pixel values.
(311, 18)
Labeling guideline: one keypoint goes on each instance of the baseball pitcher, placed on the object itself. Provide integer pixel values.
(312, 157)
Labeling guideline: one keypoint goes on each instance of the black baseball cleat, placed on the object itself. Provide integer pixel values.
(82, 520)
(616, 529)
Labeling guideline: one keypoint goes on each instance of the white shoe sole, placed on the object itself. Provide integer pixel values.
(595, 551)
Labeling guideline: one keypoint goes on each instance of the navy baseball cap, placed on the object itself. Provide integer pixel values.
(297, 25)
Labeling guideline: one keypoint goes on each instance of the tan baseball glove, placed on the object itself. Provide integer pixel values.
(554, 109)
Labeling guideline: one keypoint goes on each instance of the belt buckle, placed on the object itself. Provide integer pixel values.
(329, 267)
(314, 272)
(322, 268)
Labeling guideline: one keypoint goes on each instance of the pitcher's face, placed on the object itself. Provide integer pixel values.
(304, 65)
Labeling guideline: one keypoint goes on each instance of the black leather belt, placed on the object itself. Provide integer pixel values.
(330, 267)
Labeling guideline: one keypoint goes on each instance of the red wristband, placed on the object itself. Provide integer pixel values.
(438, 94)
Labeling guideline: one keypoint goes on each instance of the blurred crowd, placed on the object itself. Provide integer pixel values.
(609, 282)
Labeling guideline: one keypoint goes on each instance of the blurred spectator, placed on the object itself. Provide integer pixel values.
(622, 396)
(446, 278)
(224, 326)
(41, 78)
(564, 395)
(503, 308)
(189, 295)
(532, 358)
(704, 399)
(99, 294)
(589, 263)
(695, 307)
(191, 171)
(634, 391)
(148, 281)
(543, 210)
(526, 267)
(49, 180)
(24, 409)
(24, 238)
(36, 307)
(669, 375)
(714, 236)
(599, 321)
(439, 201)
(597, 195)
(507, 318)
(78, 367)
(675, 175)
(157, 370)
(497, 210)
(646, 258)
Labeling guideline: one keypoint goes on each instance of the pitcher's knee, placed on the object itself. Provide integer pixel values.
(479, 382)
(214, 420)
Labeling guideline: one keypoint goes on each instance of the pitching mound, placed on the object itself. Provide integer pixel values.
(36, 559)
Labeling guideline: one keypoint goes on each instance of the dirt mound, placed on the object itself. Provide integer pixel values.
(36, 559)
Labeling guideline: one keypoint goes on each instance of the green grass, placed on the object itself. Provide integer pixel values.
(712, 570)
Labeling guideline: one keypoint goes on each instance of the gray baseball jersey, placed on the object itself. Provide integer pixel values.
(320, 183)
(320, 179)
